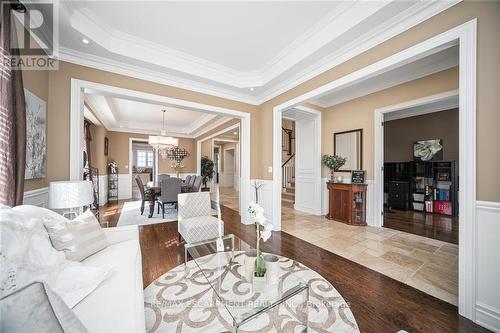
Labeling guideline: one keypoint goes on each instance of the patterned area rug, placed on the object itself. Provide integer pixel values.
(131, 215)
(182, 300)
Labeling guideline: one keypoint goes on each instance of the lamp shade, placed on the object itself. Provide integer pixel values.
(70, 194)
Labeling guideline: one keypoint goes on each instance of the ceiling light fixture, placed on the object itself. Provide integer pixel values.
(252, 89)
(163, 143)
(85, 41)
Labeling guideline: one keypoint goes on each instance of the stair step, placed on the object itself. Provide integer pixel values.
(290, 190)
(288, 196)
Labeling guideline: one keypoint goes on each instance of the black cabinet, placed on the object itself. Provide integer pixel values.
(398, 195)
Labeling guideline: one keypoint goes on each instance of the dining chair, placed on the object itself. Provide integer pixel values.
(188, 178)
(197, 184)
(163, 176)
(145, 194)
(170, 189)
(191, 181)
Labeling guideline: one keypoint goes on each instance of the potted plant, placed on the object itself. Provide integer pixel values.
(207, 171)
(263, 231)
(334, 163)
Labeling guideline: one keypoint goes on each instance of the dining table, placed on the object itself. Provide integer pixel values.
(155, 189)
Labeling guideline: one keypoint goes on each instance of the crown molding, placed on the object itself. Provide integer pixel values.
(411, 17)
(146, 74)
(414, 15)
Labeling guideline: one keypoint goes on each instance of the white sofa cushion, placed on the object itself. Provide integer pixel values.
(196, 229)
(27, 255)
(78, 238)
(117, 305)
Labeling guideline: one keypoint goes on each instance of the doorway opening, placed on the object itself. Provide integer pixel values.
(223, 148)
(143, 163)
(421, 168)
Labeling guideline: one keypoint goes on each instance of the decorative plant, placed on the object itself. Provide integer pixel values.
(263, 230)
(333, 162)
(207, 170)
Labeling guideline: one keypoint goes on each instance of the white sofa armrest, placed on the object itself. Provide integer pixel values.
(121, 234)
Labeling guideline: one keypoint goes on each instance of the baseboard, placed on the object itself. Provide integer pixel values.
(38, 197)
(488, 317)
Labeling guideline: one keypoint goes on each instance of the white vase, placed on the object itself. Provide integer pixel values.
(272, 269)
(259, 283)
(250, 257)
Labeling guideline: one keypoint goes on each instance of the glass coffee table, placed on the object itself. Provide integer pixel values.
(225, 272)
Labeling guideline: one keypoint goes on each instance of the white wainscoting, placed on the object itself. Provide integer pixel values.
(38, 197)
(265, 198)
(370, 200)
(124, 186)
(103, 190)
(488, 264)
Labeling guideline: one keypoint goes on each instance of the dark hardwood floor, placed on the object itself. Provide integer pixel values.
(436, 226)
(379, 303)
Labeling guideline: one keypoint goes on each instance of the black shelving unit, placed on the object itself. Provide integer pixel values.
(432, 186)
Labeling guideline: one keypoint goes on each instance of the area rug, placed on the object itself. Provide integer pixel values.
(131, 215)
(182, 300)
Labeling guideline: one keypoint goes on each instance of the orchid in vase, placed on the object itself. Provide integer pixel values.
(263, 230)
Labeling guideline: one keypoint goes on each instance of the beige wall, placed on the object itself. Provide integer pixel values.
(488, 81)
(401, 134)
(98, 159)
(119, 152)
(207, 148)
(189, 162)
(359, 113)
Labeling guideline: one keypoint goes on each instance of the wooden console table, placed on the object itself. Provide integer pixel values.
(347, 203)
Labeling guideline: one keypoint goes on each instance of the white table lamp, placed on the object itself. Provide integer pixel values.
(68, 195)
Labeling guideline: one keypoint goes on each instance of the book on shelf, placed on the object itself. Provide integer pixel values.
(429, 206)
(441, 194)
(442, 207)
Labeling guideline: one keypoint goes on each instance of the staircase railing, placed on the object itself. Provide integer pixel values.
(288, 171)
(286, 140)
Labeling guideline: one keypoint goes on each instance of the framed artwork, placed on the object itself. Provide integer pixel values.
(36, 144)
(358, 176)
(428, 150)
(106, 146)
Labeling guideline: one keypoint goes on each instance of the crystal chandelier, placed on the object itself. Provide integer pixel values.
(162, 143)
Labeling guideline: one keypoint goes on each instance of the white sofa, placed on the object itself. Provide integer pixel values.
(117, 305)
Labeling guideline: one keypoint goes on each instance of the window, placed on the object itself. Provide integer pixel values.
(145, 158)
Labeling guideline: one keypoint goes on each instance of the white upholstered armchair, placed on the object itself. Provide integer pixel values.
(195, 220)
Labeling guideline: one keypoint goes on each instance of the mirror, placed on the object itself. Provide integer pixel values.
(349, 144)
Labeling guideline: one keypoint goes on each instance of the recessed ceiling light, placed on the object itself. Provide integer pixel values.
(85, 41)
(252, 89)
(235, 133)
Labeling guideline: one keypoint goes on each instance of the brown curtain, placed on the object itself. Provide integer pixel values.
(12, 120)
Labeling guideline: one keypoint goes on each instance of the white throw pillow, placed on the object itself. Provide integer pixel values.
(26, 255)
(79, 238)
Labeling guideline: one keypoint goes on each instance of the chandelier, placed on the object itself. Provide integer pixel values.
(162, 143)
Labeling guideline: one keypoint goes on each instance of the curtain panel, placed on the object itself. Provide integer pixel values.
(12, 118)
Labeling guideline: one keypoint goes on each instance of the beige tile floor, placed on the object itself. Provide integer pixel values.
(423, 263)
(229, 197)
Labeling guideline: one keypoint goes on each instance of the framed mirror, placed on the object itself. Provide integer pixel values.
(349, 144)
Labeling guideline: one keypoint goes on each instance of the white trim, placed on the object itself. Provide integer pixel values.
(488, 205)
(466, 34)
(37, 197)
(409, 18)
(78, 87)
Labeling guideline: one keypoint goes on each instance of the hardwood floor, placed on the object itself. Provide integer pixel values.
(379, 303)
(440, 227)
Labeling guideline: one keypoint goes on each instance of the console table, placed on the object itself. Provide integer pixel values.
(347, 203)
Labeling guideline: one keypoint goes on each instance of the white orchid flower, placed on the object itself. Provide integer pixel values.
(268, 227)
(265, 235)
